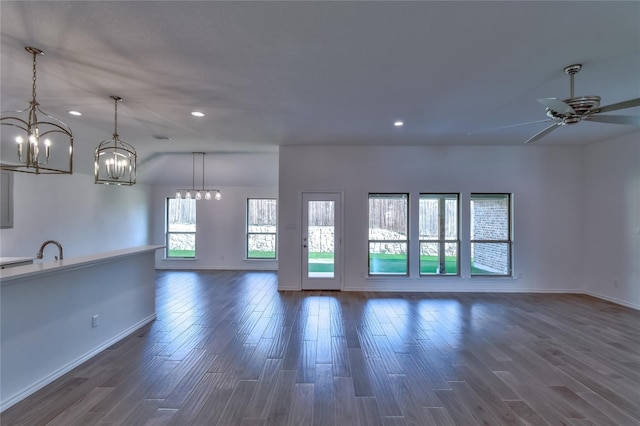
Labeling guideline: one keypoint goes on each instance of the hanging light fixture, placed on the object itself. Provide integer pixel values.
(202, 193)
(44, 143)
(115, 160)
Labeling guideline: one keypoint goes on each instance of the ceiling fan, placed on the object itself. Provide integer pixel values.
(578, 108)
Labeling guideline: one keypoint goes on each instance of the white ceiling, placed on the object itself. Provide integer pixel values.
(268, 74)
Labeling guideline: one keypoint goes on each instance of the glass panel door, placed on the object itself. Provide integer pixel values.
(321, 241)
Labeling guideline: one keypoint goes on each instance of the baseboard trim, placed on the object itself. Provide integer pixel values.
(289, 289)
(73, 364)
(488, 290)
(182, 267)
(463, 290)
(611, 299)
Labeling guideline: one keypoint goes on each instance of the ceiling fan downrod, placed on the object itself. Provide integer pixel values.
(572, 70)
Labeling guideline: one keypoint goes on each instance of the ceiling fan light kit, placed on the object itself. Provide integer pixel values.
(575, 109)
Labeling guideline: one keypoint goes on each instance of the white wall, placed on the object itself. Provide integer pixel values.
(546, 183)
(612, 220)
(221, 229)
(84, 217)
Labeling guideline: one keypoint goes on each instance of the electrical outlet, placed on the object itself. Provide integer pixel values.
(94, 321)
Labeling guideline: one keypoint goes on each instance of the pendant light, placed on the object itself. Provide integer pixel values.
(202, 193)
(44, 143)
(115, 160)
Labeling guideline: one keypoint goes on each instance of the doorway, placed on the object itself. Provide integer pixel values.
(321, 241)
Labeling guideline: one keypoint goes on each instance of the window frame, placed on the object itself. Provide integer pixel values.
(441, 241)
(169, 233)
(508, 241)
(249, 234)
(406, 241)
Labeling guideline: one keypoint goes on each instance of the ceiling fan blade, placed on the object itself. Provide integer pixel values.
(631, 120)
(557, 105)
(543, 133)
(620, 105)
(508, 127)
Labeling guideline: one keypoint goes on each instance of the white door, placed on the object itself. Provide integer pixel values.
(321, 241)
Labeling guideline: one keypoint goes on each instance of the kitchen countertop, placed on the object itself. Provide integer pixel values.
(10, 274)
(11, 260)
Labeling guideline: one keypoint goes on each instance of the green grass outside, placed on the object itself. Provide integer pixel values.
(322, 265)
(429, 264)
(382, 263)
(181, 253)
(257, 254)
(388, 263)
(397, 264)
(318, 255)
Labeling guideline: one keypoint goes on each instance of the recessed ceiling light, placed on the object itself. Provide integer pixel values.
(197, 113)
(75, 113)
(398, 123)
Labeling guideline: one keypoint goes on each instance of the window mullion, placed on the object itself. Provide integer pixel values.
(441, 234)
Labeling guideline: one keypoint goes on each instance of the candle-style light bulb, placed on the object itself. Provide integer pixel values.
(108, 164)
(19, 140)
(122, 165)
(32, 149)
(47, 148)
(35, 149)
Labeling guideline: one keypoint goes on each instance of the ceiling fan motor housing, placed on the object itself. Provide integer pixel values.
(581, 105)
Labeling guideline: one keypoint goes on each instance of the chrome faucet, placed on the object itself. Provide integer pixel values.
(40, 253)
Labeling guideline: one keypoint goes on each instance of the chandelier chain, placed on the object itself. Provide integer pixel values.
(33, 91)
(115, 131)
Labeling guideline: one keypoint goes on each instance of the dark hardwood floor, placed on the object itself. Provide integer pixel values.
(229, 349)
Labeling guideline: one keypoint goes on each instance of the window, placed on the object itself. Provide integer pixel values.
(261, 228)
(491, 234)
(181, 228)
(388, 234)
(439, 244)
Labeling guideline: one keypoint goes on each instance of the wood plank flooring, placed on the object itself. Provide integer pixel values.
(229, 349)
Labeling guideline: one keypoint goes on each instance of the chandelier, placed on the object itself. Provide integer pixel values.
(44, 143)
(201, 193)
(115, 160)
